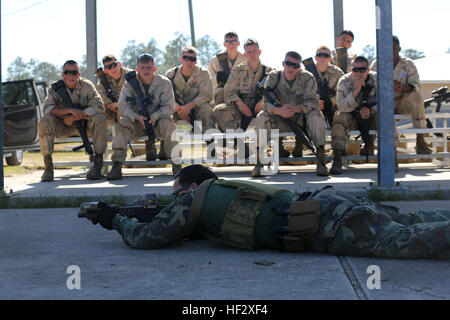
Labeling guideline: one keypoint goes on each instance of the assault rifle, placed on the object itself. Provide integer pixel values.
(145, 212)
(178, 99)
(141, 103)
(110, 93)
(245, 121)
(323, 90)
(363, 124)
(60, 89)
(295, 128)
(440, 96)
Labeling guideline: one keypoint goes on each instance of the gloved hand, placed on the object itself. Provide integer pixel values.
(105, 216)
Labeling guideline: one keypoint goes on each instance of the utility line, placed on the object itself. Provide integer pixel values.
(23, 9)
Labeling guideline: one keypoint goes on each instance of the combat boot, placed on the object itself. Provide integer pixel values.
(116, 171)
(48, 175)
(298, 150)
(150, 150)
(421, 146)
(337, 162)
(95, 173)
(282, 152)
(321, 170)
(175, 168)
(162, 151)
(368, 149)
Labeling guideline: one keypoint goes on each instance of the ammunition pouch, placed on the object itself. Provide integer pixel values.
(295, 223)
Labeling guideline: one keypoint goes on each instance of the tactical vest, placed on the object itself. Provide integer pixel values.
(251, 215)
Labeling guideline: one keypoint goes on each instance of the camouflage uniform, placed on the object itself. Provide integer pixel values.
(198, 88)
(240, 86)
(116, 86)
(213, 68)
(344, 121)
(347, 226)
(51, 126)
(303, 93)
(161, 93)
(410, 102)
(350, 57)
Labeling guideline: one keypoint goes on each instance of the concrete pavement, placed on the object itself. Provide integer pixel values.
(39, 245)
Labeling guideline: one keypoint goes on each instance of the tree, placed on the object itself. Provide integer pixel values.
(40, 71)
(18, 70)
(130, 53)
(369, 53)
(172, 52)
(207, 47)
(413, 54)
(47, 72)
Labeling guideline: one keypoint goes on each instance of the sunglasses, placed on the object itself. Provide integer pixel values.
(231, 41)
(112, 65)
(71, 72)
(292, 64)
(189, 58)
(360, 70)
(322, 55)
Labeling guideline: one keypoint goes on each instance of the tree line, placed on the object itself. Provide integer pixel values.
(166, 59)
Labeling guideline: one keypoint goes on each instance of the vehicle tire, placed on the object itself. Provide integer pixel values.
(15, 159)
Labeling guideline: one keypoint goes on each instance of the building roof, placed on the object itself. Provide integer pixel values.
(434, 69)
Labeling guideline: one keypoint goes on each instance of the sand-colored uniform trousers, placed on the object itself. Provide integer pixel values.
(344, 121)
(160, 90)
(116, 86)
(411, 102)
(50, 126)
(213, 68)
(240, 86)
(197, 89)
(303, 93)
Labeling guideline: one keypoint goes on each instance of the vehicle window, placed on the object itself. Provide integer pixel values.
(18, 93)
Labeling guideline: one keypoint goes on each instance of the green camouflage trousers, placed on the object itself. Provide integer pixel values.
(349, 226)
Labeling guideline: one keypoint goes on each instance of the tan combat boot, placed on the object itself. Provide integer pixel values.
(321, 170)
(337, 162)
(116, 171)
(421, 146)
(150, 150)
(95, 173)
(48, 175)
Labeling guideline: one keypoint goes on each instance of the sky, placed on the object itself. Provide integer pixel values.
(54, 30)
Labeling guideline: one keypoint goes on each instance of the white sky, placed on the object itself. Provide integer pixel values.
(54, 30)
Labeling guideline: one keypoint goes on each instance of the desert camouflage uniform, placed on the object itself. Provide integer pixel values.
(51, 126)
(240, 86)
(213, 68)
(410, 102)
(116, 86)
(344, 121)
(303, 93)
(348, 226)
(198, 89)
(161, 92)
(332, 76)
(350, 57)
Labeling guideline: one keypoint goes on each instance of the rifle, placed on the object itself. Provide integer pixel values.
(440, 96)
(178, 99)
(298, 130)
(323, 90)
(141, 103)
(145, 212)
(245, 121)
(111, 94)
(363, 124)
(223, 75)
(60, 89)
